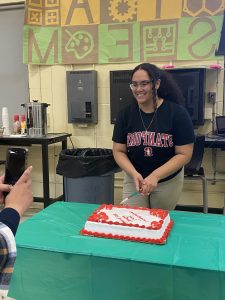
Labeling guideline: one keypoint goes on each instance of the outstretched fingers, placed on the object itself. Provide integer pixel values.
(26, 176)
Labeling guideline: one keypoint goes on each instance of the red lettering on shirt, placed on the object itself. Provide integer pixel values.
(170, 139)
(144, 136)
(149, 138)
(165, 138)
(138, 138)
(159, 140)
(130, 140)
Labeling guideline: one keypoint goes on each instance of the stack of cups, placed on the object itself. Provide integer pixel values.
(5, 121)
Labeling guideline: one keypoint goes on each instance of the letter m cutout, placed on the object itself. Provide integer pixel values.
(41, 45)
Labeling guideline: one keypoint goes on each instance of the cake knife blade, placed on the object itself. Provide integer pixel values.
(125, 200)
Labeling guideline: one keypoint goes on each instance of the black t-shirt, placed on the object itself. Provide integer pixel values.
(149, 150)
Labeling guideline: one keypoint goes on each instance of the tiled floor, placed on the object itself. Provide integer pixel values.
(34, 208)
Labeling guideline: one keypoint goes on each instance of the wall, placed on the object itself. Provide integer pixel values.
(48, 84)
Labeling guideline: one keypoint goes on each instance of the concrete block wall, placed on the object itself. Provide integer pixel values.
(48, 84)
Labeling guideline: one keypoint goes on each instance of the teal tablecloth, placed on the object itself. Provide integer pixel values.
(55, 262)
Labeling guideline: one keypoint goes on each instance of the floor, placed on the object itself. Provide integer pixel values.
(34, 208)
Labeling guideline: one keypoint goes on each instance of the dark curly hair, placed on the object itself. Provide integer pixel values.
(168, 90)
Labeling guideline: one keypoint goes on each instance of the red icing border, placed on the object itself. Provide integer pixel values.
(162, 240)
(98, 216)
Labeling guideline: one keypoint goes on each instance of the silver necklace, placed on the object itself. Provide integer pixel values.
(149, 125)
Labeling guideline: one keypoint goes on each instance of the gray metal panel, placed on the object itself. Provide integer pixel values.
(82, 96)
(13, 73)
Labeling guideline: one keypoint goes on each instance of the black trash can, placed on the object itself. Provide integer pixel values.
(88, 175)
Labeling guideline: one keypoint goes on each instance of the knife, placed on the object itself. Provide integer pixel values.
(125, 200)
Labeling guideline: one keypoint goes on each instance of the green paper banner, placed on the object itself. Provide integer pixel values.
(121, 31)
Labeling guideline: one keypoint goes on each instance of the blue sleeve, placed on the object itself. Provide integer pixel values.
(11, 218)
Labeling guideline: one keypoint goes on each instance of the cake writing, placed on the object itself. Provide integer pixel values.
(131, 218)
(139, 217)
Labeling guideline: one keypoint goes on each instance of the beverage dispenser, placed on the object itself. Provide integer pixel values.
(36, 118)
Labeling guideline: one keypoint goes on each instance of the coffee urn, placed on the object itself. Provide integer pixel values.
(36, 118)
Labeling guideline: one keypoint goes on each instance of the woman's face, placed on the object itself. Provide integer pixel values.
(141, 87)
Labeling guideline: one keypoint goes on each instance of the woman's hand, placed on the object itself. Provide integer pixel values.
(138, 179)
(25, 177)
(149, 184)
(3, 188)
(20, 196)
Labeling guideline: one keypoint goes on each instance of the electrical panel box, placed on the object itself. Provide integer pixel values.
(120, 92)
(192, 82)
(82, 96)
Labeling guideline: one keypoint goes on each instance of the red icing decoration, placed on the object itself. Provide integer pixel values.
(162, 240)
(102, 217)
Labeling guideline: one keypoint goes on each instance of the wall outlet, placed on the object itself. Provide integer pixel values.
(212, 97)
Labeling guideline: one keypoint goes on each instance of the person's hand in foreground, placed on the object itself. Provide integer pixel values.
(20, 195)
(3, 188)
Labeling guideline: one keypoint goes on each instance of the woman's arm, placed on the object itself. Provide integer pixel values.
(7, 258)
(120, 156)
(182, 156)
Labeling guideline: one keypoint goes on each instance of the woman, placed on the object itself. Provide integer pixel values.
(153, 139)
(17, 202)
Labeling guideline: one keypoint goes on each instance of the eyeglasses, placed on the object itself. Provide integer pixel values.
(142, 84)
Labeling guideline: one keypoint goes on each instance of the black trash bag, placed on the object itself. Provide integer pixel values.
(81, 162)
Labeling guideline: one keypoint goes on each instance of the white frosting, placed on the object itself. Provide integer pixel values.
(129, 216)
